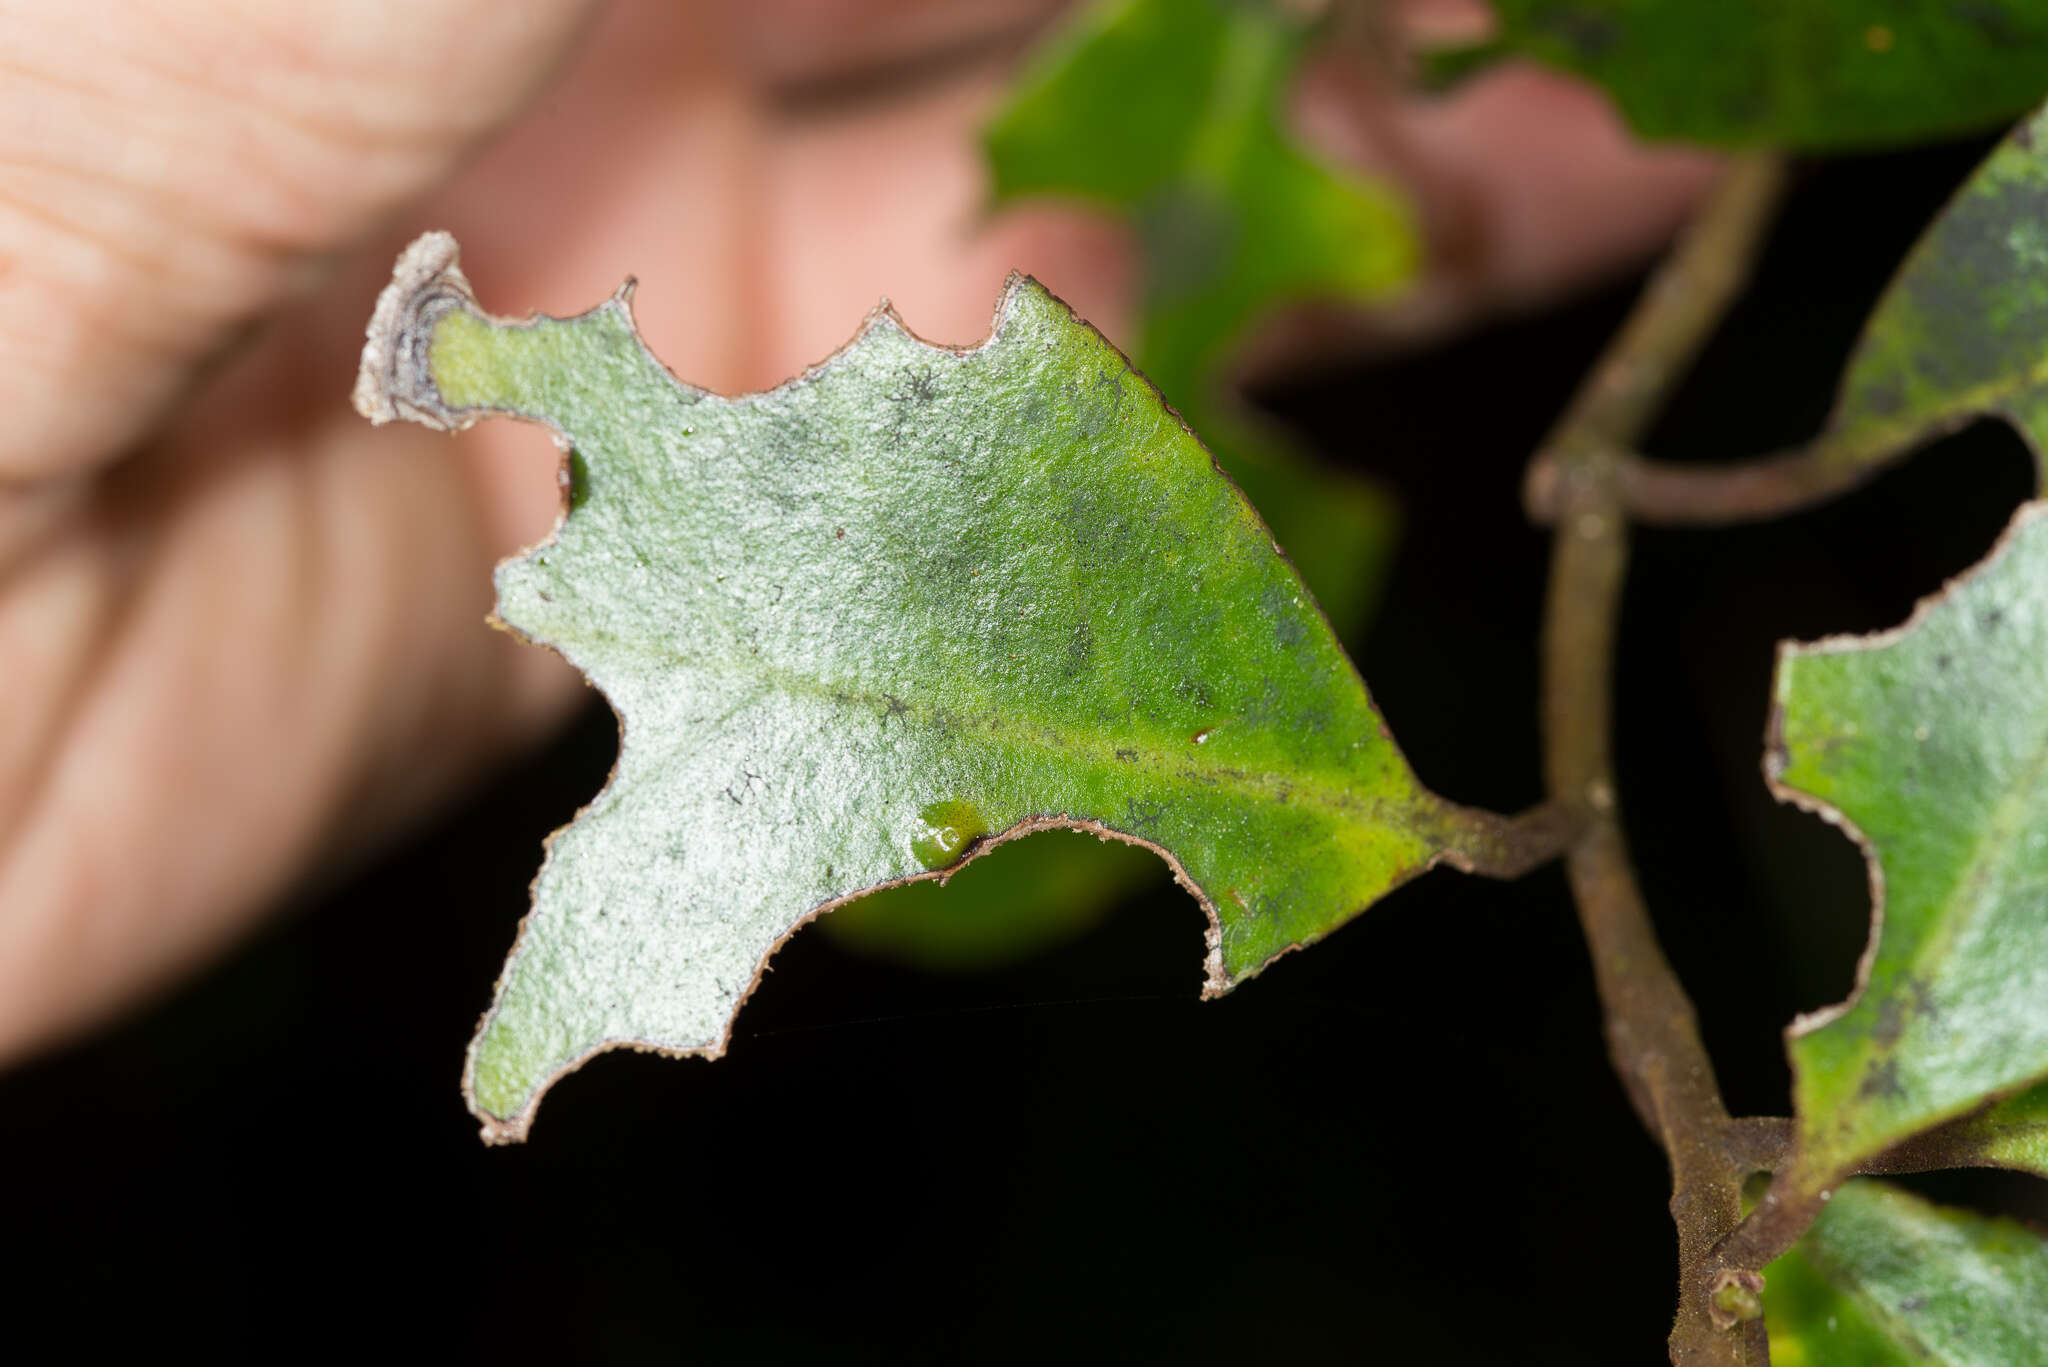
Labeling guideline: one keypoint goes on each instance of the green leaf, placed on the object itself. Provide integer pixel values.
(859, 627)
(1929, 745)
(1884, 1278)
(2012, 1133)
(1170, 114)
(1797, 75)
(1962, 332)
(1021, 898)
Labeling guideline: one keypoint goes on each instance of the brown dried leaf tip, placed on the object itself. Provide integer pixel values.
(394, 380)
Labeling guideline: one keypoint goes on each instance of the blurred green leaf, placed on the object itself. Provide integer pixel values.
(1886, 1278)
(1170, 114)
(914, 599)
(1799, 75)
(1017, 899)
(1931, 744)
(1962, 332)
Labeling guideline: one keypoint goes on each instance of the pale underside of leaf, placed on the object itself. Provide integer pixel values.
(911, 604)
(1929, 746)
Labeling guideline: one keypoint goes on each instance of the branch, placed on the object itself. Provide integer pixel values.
(1652, 1033)
(1507, 847)
(1758, 1143)
(1662, 494)
(1796, 1198)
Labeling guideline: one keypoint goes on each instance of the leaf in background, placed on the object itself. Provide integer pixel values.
(1170, 113)
(1929, 744)
(1016, 900)
(1885, 1278)
(1962, 332)
(911, 603)
(1793, 75)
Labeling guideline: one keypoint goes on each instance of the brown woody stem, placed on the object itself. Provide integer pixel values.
(1758, 1143)
(1652, 1033)
(1496, 846)
(1659, 494)
(1750, 491)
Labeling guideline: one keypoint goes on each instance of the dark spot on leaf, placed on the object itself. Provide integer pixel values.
(919, 389)
(1925, 1006)
(1883, 397)
(1882, 1081)
(1289, 630)
(1080, 647)
(1590, 35)
(1034, 412)
(1096, 525)
(1891, 1022)
(1996, 21)
(742, 788)
(1127, 756)
(1142, 818)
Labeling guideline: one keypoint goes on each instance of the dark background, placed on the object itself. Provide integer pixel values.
(1402, 1145)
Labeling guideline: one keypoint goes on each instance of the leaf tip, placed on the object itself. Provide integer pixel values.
(393, 380)
(495, 1132)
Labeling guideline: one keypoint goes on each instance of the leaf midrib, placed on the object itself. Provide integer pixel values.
(1321, 789)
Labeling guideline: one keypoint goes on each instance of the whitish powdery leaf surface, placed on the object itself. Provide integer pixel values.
(861, 626)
